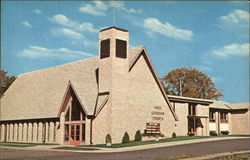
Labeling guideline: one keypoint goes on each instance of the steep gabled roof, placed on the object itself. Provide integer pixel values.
(141, 51)
(39, 94)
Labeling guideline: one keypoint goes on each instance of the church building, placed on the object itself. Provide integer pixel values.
(116, 92)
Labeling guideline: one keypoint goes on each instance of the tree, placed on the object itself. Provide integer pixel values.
(138, 136)
(5, 81)
(125, 138)
(190, 82)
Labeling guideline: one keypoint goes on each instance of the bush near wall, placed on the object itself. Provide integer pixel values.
(190, 134)
(173, 135)
(213, 133)
(125, 138)
(138, 136)
(224, 132)
(108, 139)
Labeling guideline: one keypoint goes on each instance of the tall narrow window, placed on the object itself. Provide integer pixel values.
(105, 48)
(66, 132)
(191, 109)
(211, 116)
(223, 117)
(121, 48)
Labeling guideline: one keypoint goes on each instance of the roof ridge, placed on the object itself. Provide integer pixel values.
(61, 65)
(22, 74)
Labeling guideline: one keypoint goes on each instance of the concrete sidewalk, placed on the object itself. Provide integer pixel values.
(125, 149)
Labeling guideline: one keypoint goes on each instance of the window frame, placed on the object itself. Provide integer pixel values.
(212, 116)
(121, 48)
(105, 48)
(224, 117)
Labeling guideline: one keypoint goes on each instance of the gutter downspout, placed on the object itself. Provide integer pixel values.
(91, 117)
(91, 120)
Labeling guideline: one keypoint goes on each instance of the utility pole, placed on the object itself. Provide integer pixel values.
(180, 88)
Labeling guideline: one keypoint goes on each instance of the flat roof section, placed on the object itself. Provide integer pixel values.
(120, 29)
(189, 100)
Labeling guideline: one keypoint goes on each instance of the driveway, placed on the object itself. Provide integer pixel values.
(202, 148)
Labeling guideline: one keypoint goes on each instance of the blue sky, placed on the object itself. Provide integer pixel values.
(210, 36)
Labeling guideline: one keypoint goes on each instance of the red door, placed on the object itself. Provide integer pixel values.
(75, 134)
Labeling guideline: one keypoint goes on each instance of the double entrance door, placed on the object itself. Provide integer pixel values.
(74, 134)
(192, 125)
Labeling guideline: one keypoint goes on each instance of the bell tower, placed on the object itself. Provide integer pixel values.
(113, 54)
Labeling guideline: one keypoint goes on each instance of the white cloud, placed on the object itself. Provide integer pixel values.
(37, 11)
(131, 10)
(40, 52)
(217, 79)
(26, 24)
(87, 27)
(166, 29)
(236, 16)
(62, 20)
(100, 9)
(65, 21)
(67, 32)
(100, 5)
(235, 22)
(116, 4)
(232, 49)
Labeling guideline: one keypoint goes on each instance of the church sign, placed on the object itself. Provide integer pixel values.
(157, 114)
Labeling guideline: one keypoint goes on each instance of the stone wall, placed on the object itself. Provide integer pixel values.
(102, 125)
(181, 110)
(240, 122)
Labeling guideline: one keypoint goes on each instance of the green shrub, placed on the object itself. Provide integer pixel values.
(138, 136)
(224, 132)
(125, 138)
(108, 139)
(190, 134)
(213, 133)
(173, 135)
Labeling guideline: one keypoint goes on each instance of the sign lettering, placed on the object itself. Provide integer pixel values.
(157, 114)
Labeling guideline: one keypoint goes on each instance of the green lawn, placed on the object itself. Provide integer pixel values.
(132, 143)
(22, 144)
(181, 138)
(16, 145)
(77, 148)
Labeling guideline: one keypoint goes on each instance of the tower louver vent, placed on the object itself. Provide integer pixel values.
(121, 48)
(105, 48)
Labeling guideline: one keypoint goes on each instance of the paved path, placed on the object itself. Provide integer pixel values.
(202, 148)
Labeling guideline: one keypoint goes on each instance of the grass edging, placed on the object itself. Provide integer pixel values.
(23, 144)
(77, 148)
(180, 138)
